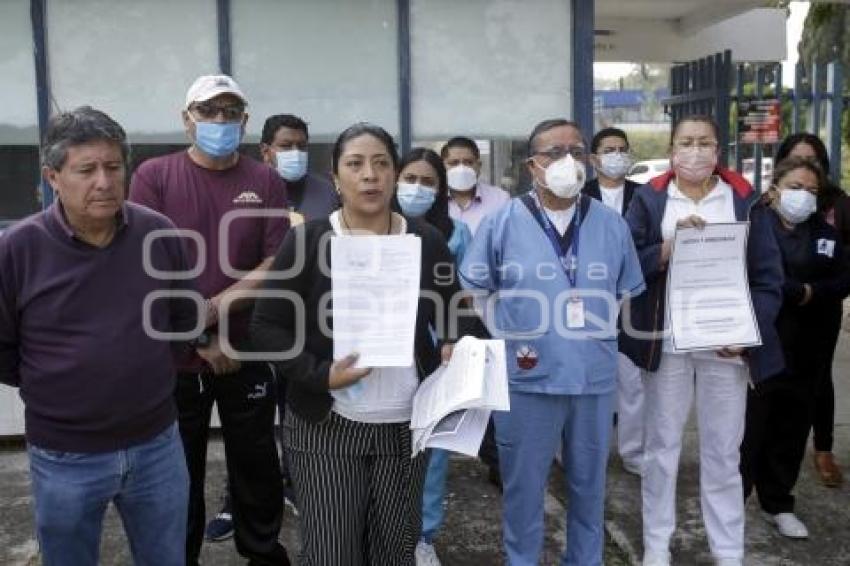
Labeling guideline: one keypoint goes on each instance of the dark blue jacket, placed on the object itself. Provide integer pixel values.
(812, 254)
(764, 269)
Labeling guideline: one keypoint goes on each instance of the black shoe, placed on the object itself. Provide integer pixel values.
(278, 558)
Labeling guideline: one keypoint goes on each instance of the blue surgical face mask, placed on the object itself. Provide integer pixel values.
(218, 139)
(291, 164)
(415, 199)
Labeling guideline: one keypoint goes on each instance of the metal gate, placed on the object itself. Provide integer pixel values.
(713, 86)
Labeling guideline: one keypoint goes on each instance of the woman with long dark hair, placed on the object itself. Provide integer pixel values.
(834, 207)
(422, 192)
(347, 430)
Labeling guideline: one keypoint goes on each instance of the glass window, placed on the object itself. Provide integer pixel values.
(331, 63)
(489, 68)
(19, 171)
(133, 60)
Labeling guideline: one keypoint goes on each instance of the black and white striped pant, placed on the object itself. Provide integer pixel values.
(359, 492)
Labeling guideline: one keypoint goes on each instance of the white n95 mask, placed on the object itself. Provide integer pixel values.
(565, 177)
(461, 177)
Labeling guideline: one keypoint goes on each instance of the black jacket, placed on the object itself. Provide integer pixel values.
(591, 189)
(276, 328)
(813, 254)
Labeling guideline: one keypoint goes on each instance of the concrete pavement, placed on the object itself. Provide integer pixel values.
(825, 511)
(471, 535)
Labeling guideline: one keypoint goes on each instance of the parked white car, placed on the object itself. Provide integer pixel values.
(642, 171)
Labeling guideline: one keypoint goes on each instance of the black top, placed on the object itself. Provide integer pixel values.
(813, 254)
(275, 327)
(312, 196)
(591, 189)
(839, 209)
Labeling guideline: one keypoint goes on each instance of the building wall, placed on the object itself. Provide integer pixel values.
(489, 69)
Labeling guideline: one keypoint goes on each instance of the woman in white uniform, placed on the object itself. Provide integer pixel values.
(695, 192)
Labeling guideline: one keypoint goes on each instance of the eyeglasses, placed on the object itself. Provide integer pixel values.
(700, 145)
(231, 112)
(559, 152)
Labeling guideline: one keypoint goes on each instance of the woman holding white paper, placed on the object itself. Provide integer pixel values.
(781, 411)
(347, 433)
(694, 192)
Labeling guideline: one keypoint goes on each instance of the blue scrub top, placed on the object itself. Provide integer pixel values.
(513, 261)
(459, 240)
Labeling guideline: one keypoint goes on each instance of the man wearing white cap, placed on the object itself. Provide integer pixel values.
(214, 191)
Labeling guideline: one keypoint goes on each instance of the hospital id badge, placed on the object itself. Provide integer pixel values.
(575, 313)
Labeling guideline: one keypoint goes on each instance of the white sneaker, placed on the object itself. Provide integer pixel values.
(633, 466)
(788, 525)
(656, 558)
(426, 555)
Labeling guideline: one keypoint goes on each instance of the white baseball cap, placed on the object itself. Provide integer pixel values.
(207, 87)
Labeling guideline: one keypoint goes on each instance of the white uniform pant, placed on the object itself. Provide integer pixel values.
(721, 398)
(630, 413)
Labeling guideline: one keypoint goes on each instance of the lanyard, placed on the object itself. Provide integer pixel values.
(568, 257)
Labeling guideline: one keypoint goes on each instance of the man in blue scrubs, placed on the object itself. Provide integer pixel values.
(554, 266)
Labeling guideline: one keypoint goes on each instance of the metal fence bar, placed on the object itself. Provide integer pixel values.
(834, 79)
(757, 157)
(739, 96)
(797, 97)
(777, 81)
(723, 74)
(814, 118)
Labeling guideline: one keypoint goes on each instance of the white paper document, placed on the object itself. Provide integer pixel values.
(708, 292)
(452, 406)
(375, 291)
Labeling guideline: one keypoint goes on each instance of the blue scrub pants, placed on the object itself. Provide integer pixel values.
(528, 437)
(433, 493)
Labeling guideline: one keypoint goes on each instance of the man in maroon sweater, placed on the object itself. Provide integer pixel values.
(78, 337)
(235, 204)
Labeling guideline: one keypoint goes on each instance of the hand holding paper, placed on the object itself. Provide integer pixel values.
(452, 406)
(343, 373)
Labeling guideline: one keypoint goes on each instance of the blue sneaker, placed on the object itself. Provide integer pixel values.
(220, 527)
